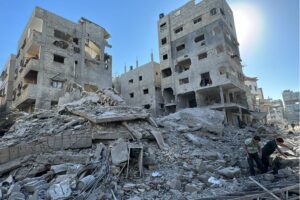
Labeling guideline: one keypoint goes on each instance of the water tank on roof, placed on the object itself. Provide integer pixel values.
(161, 15)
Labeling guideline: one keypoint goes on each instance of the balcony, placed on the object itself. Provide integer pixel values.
(166, 81)
(33, 41)
(28, 93)
(32, 65)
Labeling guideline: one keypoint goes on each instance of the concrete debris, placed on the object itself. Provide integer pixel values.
(193, 119)
(119, 153)
(95, 147)
(230, 172)
(269, 177)
(59, 191)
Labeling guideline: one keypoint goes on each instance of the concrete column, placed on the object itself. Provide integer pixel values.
(225, 116)
(240, 113)
(227, 97)
(199, 99)
(221, 95)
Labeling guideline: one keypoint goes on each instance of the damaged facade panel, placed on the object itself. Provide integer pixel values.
(73, 52)
(203, 52)
(7, 82)
(292, 106)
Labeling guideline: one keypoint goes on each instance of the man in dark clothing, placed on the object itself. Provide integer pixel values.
(269, 149)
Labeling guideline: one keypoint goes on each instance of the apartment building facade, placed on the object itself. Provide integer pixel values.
(141, 86)
(200, 60)
(53, 50)
(291, 106)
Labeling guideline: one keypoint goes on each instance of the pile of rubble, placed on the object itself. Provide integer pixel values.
(93, 146)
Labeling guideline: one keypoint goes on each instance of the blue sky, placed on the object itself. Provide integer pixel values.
(268, 33)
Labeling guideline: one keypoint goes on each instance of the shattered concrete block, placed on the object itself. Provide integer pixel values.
(190, 187)
(17, 196)
(210, 155)
(4, 155)
(59, 191)
(174, 184)
(176, 193)
(269, 177)
(199, 118)
(285, 172)
(135, 198)
(129, 186)
(98, 152)
(59, 168)
(119, 153)
(193, 139)
(35, 185)
(230, 172)
(14, 188)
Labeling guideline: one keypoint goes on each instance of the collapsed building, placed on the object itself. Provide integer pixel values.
(200, 60)
(97, 147)
(141, 87)
(292, 106)
(51, 51)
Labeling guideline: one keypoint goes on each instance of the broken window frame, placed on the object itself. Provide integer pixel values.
(147, 106)
(178, 29)
(131, 95)
(184, 81)
(199, 38)
(213, 11)
(166, 72)
(61, 35)
(76, 40)
(57, 84)
(163, 26)
(205, 79)
(165, 56)
(183, 65)
(202, 56)
(222, 12)
(130, 81)
(146, 91)
(164, 41)
(140, 78)
(58, 58)
(197, 19)
(180, 47)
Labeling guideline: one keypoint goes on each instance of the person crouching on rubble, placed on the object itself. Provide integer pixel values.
(252, 147)
(268, 150)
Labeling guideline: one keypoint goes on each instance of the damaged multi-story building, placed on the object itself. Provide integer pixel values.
(292, 106)
(256, 92)
(200, 60)
(141, 86)
(52, 51)
(7, 82)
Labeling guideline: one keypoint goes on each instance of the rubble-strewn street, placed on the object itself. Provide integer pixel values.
(93, 146)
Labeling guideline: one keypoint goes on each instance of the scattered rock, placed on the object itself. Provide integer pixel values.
(230, 172)
(174, 184)
(269, 177)
(193, 187)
